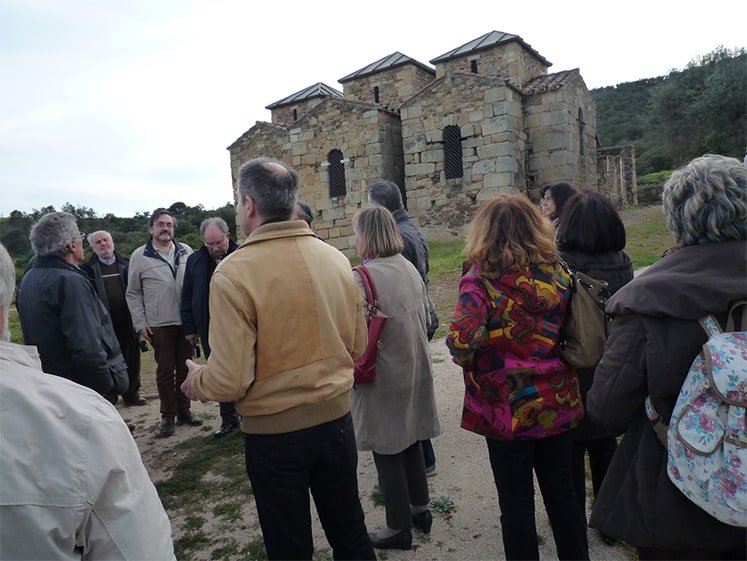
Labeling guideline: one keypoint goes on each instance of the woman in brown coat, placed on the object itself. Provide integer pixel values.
(654, 339)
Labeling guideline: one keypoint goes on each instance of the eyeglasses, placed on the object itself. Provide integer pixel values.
(81, 236)
(164, 224)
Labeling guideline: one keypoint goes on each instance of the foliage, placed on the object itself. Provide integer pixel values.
(444, 505)
(686, 114)
(128, 233)
(655, 178)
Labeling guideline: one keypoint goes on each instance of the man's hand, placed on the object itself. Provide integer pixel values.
(192, 338)
(186, 386)
(146, 333)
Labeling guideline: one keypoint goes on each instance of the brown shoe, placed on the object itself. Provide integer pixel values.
(186, 418)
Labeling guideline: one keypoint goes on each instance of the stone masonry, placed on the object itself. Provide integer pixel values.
(489, 103)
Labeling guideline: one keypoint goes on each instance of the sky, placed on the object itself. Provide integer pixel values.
(125, 106)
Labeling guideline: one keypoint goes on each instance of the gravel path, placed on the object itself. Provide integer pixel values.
(470, 531)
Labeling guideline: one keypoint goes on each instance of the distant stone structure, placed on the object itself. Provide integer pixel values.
(487, 119)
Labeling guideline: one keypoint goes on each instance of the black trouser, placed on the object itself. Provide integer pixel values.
(600, 451)
(283, 467)
(402, 482)
(128, 344)
(228, 413)
(550, 458)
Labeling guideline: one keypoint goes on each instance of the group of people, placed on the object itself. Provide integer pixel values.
(282, 318)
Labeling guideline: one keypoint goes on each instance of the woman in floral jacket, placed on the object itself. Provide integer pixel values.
(519, 394)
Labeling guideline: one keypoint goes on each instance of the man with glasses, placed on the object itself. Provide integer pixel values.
(154, 290)
(61, 314)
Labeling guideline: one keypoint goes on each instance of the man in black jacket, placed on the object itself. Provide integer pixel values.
(387, 194)
(195, 311)
(107, 269)
(62, 316)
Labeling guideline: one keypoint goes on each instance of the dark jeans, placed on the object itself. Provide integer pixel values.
(402, 482)
(171, 350)
(550, 458)
(283, 467)
(600, 452)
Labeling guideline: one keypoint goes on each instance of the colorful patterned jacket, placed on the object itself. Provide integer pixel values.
(505, 337)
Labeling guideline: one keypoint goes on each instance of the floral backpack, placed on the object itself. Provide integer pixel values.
(707, 436)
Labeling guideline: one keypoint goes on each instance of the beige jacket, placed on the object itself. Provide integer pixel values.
(72, 484)
(285, 323)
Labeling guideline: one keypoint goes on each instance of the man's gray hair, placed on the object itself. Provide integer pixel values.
(706, 201)
(383, 192)
(52, 233)
(7, 290)
(273, 190)
(89, 237)
(215, 221)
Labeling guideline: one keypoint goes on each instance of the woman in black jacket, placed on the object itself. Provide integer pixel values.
(591, 239)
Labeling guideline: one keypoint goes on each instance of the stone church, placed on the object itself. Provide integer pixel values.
(486, 118)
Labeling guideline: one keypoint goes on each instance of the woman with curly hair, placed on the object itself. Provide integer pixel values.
(519, 394)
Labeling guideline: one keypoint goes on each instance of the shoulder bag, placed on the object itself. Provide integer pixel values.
(365, 365)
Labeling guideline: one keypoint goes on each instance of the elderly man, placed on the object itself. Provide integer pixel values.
(61, 314)
(386, 193)
(195, 293)
(154, 290)
(108, 271)
(81, 491)
(286, 323)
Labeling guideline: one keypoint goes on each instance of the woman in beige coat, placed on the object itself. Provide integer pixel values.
(398, 409)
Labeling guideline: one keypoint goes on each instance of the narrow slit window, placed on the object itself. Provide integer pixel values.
(295, 114)
(376, 94)
(581, 132)
(452, 143)
(336, 172)
(473, 66)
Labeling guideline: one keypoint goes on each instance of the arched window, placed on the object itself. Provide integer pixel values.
(452, 141)
(336, 171)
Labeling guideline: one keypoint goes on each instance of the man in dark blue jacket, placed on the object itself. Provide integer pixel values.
(195, 310)
(61, 314)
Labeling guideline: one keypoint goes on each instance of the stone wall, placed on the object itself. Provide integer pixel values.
(617, 175)
(263, 139)
(561, 131)
(370, 141)
(488, 112)
(509, 60)
(284, 115)
(395, 85)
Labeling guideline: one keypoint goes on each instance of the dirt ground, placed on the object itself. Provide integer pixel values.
(469, 531)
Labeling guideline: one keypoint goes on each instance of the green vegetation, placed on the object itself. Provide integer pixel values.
(442, 505)
(654, 178)
(686, 114)
(647, 238)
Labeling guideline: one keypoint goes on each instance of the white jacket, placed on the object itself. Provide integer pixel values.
(72, 483)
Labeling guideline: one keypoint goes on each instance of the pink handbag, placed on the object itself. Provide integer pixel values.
(365, 365)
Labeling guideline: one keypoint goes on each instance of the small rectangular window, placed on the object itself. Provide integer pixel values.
(473, 66)
(376, 94)
(295, 115)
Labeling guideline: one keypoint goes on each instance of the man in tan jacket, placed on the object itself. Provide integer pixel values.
(286, 324)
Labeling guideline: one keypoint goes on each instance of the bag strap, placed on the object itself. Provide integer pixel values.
(369, 287)
(731, 321)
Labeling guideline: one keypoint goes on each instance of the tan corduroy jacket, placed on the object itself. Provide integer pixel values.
(286, 322)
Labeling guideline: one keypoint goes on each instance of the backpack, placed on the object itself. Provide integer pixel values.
(706, 439)
(586, 326)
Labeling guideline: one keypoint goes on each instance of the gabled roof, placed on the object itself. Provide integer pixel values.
(316, 90)
(549, 82)
(387, 63)
(487, 41)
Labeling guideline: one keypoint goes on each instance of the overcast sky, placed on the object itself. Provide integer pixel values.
(127, 105)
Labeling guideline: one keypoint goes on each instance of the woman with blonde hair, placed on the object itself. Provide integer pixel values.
(398, 409)
(519, 394)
